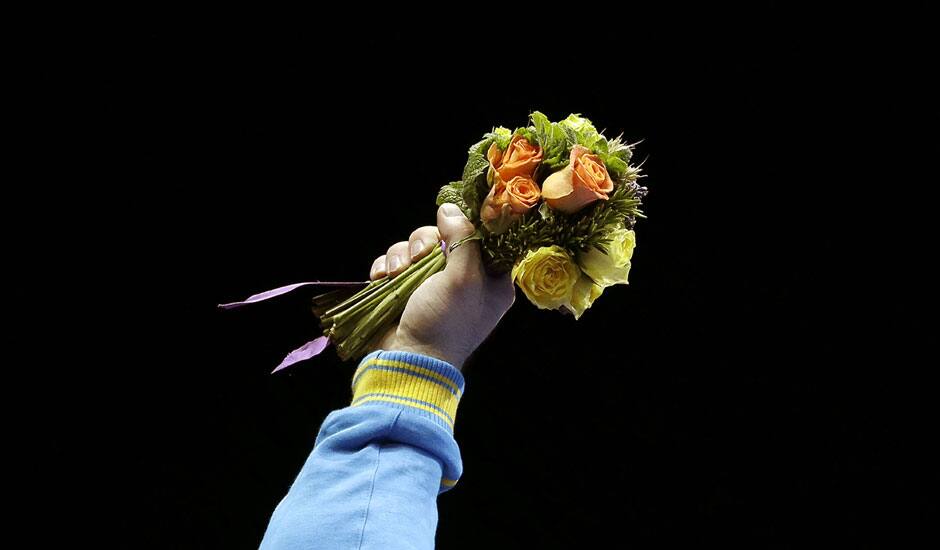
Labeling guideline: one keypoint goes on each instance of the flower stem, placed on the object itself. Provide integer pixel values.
(352, 323)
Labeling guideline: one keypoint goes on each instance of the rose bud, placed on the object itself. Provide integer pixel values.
(507, 202)
(520, 158)
(582, 182)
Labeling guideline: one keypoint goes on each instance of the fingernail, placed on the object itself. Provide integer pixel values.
(451, 210)
(417, 247)
(393, 263)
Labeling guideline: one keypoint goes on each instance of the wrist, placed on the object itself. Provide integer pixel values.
(401, 343)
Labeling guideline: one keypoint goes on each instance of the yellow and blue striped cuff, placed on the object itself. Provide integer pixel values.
(426, 385)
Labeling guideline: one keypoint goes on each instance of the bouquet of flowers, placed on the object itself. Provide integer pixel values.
(553, 203)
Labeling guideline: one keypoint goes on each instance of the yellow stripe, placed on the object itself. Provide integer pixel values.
(448, 482)
(410, 367)
(403, 384)
(410, 404)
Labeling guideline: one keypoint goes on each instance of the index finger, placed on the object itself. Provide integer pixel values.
(422, 241)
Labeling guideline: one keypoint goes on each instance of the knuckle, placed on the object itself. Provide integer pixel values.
(397, 248)
(423, 233)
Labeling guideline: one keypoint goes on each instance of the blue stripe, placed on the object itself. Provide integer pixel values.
(425, 403)
(406, 371)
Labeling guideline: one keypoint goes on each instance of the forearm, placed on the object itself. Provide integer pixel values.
(378, 465)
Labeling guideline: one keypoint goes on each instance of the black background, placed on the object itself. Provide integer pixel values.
(753, 384)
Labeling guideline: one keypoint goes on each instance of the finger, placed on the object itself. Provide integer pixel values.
(378, 268)
(422, 241)
(453, 226)
(397, 258)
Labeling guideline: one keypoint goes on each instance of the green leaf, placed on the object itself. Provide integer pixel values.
(542, 126)
(474, 179)
(580, 131)
(473, 195)
(616, 166)
(475, 167)
(481, 146)
(558, 135)
(622, 150)
(624, 154)
(571, 136)
(452, 193)
(618, 158)
(554, 141)
(528, 134)
(579, 124)
(502, 136)
(472, 199)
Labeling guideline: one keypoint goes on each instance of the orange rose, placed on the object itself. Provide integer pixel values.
(520, 158)
(582, 182)
(508, 201)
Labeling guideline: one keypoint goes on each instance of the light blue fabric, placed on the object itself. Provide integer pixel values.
(371, 481)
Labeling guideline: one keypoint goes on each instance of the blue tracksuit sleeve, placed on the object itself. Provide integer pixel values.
(378, 465)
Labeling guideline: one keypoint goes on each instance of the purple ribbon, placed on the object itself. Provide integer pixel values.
(268, 294)
(309, 350)
(317, 345)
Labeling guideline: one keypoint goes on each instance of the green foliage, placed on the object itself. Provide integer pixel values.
(476, 165)
(453, 193)
(574, 232)
(615, 166)
(473, 195)
(543, 226)
(501, 135)
(623, 150)
(474, 186)
(480, 147)
(553, 140)
(527, 133)
(580, 131)
(616, 157)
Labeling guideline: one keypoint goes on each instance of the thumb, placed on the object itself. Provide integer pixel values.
(453, 226)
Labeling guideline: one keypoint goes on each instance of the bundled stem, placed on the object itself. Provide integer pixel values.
(352, 323)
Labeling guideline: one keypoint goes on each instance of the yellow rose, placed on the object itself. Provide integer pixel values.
(547, 276)
(612, 268)
(583, 294)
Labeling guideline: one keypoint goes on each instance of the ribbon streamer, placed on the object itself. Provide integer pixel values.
(313, 347)
(310, 349)
(280, 291)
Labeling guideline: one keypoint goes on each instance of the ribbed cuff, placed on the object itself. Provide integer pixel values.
(412, 381)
